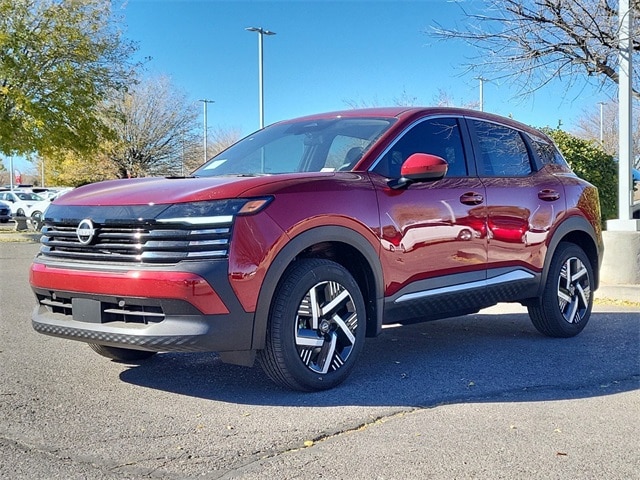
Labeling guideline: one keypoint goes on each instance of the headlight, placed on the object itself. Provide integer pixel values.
(213, 212)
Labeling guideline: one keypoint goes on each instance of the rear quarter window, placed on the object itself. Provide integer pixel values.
(547, 152)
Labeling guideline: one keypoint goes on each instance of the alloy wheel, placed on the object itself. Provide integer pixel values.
(574, 290)
(326, 326)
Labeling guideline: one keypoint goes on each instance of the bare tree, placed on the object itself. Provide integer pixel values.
(405, 99)
(153, 125)
(532, 42)
(217, 140)
(589, 123)
(445, 99)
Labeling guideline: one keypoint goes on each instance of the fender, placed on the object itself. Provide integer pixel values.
(570, 227)
(292, 249)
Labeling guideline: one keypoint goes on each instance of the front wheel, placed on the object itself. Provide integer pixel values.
(36, 220)
(564, 308)
(121, 354)
(316, 326)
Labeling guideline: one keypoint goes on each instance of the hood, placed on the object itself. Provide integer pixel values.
(145, 191)
(160, 190)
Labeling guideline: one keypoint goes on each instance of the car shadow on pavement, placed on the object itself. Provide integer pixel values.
(477, 358)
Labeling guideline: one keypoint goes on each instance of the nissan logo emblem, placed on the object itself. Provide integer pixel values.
(85, 231)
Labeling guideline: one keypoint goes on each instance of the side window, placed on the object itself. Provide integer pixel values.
(437, 136)
(503, 152)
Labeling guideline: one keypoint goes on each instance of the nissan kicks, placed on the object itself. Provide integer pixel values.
(302, 239)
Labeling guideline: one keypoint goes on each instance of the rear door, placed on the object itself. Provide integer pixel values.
(522, 200)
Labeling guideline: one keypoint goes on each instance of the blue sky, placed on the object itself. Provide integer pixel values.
(325, 54)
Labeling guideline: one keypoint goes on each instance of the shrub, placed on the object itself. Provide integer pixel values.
(589, 161)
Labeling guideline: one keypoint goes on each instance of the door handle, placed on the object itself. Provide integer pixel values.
(471, 198)
(548, 195)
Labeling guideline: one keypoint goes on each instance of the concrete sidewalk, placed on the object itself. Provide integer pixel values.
(622, 293)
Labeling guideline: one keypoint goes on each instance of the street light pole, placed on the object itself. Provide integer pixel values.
(261, 32)
(602, 104)
(205, 101)
(482, 80)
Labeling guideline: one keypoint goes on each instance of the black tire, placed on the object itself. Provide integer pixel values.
(309, 349)
(36, 220)
(564, 308)
(121, 354)
(20, 213)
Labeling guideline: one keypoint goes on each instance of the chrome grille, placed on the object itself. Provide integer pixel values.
(148, 243)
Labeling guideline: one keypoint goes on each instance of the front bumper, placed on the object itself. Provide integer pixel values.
(168, 310)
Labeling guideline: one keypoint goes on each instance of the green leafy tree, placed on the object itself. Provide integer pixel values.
(589, 161)
(59, 59)
(69, 168)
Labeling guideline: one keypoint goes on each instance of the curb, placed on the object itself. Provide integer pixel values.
(26, 236)
(623, 293)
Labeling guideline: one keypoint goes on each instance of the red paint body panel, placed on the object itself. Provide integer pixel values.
(427, 232)
(133, 283)
(519, 221)
(159, 190)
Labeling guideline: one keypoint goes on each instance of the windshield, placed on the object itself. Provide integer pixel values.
(305, 146)
(28, 196)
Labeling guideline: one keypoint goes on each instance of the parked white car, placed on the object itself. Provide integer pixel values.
(19, 201)
(36, 210)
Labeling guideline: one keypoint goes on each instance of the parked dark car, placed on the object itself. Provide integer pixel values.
(5, 212)
(303, 238)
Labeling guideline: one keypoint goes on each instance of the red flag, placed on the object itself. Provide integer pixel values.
(17, 176)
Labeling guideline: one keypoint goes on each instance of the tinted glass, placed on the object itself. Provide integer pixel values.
(503, 152)
(547, 152)
(437, 136)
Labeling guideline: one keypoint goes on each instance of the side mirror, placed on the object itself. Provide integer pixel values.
(420, 167)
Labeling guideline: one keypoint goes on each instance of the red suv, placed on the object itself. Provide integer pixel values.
(298, 241)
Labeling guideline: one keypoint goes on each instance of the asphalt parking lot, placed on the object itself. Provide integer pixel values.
(482, 396)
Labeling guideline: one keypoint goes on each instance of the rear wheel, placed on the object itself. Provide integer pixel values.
(121, 354)
(316, 326)
(564, 308)
(20, 213)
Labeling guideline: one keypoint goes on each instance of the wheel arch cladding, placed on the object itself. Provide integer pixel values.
(336, 243)
(578, 231)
